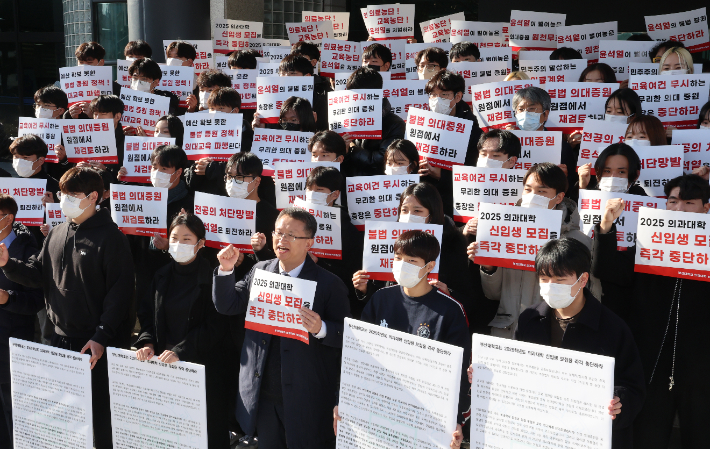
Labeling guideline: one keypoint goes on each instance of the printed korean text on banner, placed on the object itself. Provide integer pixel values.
(405, 94)
(696, 147)
(673, 243)
(28, 194)
(278, 145)
(510, 236)
(221, 62)
(591, 208)
(475, 73)
(212, 134)
(642, 68)
(258, 44)
(690, 27)
(227, 220)
(244, 82)
(356, 112)
(618, 55)
(473, 186)
(267, 69)
(136, 156)
(142, 108)
(375, 197)
(274, 303)
(124, 79)
(501, 54)
(492, 102)
(398, 67)
(340, 20)
(546, 71)
(140, 210)
(410, 54)
(275, 54)
(53, 215)
(179, 81)
(89, 140)
(597, 135)
(393, 21)
(313, 32)
(439, 30)
(233, 35)
(586, 38)
(203, 48)
(47, 129)
(339, 56)
(538, 147)
(441, 139)
(482, 34)
(290, 180)
(573, 103)
(659, 164)
(534, 30)
(676, 100)
(328, 242)
(341, 79)
(84, 83)
(273, 91)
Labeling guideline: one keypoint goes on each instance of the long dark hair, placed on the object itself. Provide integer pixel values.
(175, 126)
(427, 195)
(703, 112)
(628, 99)
(408, 150)
(619, 149)
(304, 112)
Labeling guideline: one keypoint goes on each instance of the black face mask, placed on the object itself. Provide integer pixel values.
(376, 68)
(291, 126)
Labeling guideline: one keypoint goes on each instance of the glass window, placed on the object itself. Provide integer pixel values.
(111, 28)
(7, 17)
(49, 20)
(278, 12)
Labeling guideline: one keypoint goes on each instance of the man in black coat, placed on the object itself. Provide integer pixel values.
(287, 389)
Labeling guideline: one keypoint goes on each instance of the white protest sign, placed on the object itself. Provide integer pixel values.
(267, 69)
(232, 35)
(585, 38)
(221, 62)
(511, 236)
(179, 81)
(672, 243)
(410, 54)
(573, 103)
(546, 71)
(696, 147)
(441, 139)
(676, 100)
(405, 94)
(473, 186)
(501, 54)
(534, 30)
(45, 128)
(376, 197)
(597, 135)
(475, 73)
(142, 108)
(341, 79)
(356, 112)
(492, 102)
(273, 91)
(89, 140)
(51, 397)
(659, 164)
(313, 32)
(274, 303)
(439, 30)
(339, 56)
(258, 44)
(618, 55)
(244, 82)
(212, 134)
(534, 55)
(520, 388)
(53, 215)
(84, 83)
(642, 68)
(228, 221)
(278, 145)
(152, 401)
(290, 179)
(537, 147)
(28, 194)
(275, 53)
(690, 27)
(483, 34)
(122, 66)
(392, 21)
(398, 50)
(328, 242)
(340, 20)
(395, 404)
(136, 156)
(140, 210)
(591, 208)
(203, 48)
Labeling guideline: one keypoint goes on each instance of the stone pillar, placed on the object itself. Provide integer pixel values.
(77, 27)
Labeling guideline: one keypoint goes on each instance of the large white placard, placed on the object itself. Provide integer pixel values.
(597, 135)
(244, 82)
(501, 54)
(278, 145)
(212, 134)
(228, 221)
(340, 20)
(537, 147)
(122, 66)
(328, 242)
(534, 30)
(46, 128)
(546, 71)
(339, 56)
(204, 58)
(28, 194)
(482, 72)
(275, 53)
(233, 35)
(54, 215)
(618, 55)
(392, 21)
(441, 139)
(492, 102)
(642, 68)
(313, 32)
(573, 103)
(483, 34)
(179, 81)
(676, 100)
(690, 27)
(439, 30)
(585, 38)
(290, 179)
(410, 55)
(659, 164)
(89, 140)
(138, 210)
(136, 156)
(696, 147)
(356, 112)
(84, 83)
(273, 91)
(376, 197)
(143, 108)
(405, 94)
(473, 185)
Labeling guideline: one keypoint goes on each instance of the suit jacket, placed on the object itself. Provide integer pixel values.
(309, 372)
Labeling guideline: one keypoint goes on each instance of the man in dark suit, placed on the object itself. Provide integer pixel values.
(287, 389)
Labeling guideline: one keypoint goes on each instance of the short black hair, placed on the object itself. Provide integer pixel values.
(408, 150)
(432, 54)
(175, 126)
(193, 223)
(29, 145)
(295, 63)
(171, 156)
(606, 71)
(364, 78)
(184, 49)
(508, 143)
(331, 141)
(8, 204)
(463, 49)
(692, 187)
(446, 81)
(245, 162)
(429, 197)
(563, 257)
(307, 49)
(304, 217)
(304, 112)
(82, 179)
(137, 49)
(703, 112)
(565, 53)
(145, 67)
(52, 94)
(377, 51)
(640, 37)
(665, 45)
(214, 78)
(417, 243)
(242, 59)
(326, 177)
(90, 50)
(629, 99)
(106, 103)
(225, 96)
(549, 175)
(619, 149)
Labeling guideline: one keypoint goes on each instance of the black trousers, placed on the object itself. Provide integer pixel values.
(270, 425)
(6, 420)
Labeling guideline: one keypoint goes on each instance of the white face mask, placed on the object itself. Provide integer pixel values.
(440, 105)
(70, 206)
(486, 162)
(391, 170)
(319, 198)
(23, 167)
(638, 142)
(159, 134)
(613, 184)
(704, 127)
(141, 86)
(203, 99)
(173, 61)
(532, 201)
(528, 121)
(615, 118)
(410, 218)
(675, 72)
(44, 113)
(426, 74)
(182, 252)
(160, 179)
(406, 274)
(235, 190)
(558, 296)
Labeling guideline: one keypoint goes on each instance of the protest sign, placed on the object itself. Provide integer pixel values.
(356, 112)
(313, 32)
(475, 73)
(341, 79)
(392, 21)
(492, 102)
(538, 147)
(534, 30)
(673, 243)
(375, 197)
(586, 38)
(179, 81)
(659, 164)
(395, 405)
(340, 20)
(278, 145)
(675, 100)
(273, 91)
(642, 68)
(441, 139)
(143, 108)
(473, 186)
(398, 49)
(405, 94)
(525, 55)
(84, 83)
(228, 221)
(267, 69)
(203, 48)
(618, 55)
(212, 134)
(28, 194)
(410, 54)
(89, 140)
(502, 54)
(136, 156)
(46, 129)
(597, 135)
(511, 236)
(696, 147)
(520, 388)
(339, 56)
(140, 210)
(546, 71)
(690, 27)
(439, 30)
(244, 82)
(482, 34)
(53, 215)
(258, 44)
(379, 246)
(328, 242)
(122, 66)
(233, 35)
(573, 103)
(274, 303)
(51, 397)
(290, 179)
(275, 54)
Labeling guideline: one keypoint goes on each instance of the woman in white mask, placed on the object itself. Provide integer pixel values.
(429, 61)
(617, 169)
(645, 131)
(401, 158)
(181, 323)
(676, 61)
(622, 106)
(704, 117)
(166, 127)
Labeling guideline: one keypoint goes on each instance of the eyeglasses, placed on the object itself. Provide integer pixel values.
(239, 179)
(444, 96)
(287, 237)
(46, 106)
(428, 67)
(657, 59)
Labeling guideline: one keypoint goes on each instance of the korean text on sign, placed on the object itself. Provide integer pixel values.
(232, 35)
(143, 108)
(179, 81)
(376, 197)
(140, 210)
(215, 134)
(473, 186)
(28, 194)
(573, 103)
(46, 128)
(537, 147)
(136, 156)
(339, 56)
(244, 82)
(481, 72)
(273, 91)
(439, 30)
(597, 135)
(441, 139)
(290, 179)
(534, 30)
(328, 242)
(492, 102)
(690, 27)
(313, 32)
(54, 215)
(278, 145)
(89, 140)
(483, 34)
(546, 71)
(618, 55)
(356, 112)
(586, 38)
(405, 94)
(675, 100)
(340, 20)
(84, 83)
(696, 147)
(122, 66)
(393, 21)
(659, 164)
(203, 49)
(227, 220)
